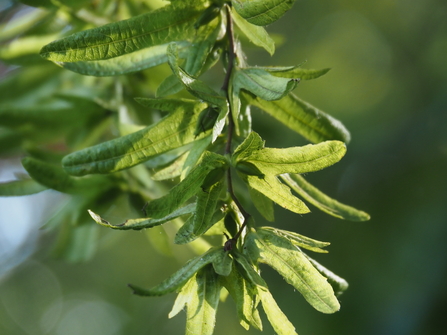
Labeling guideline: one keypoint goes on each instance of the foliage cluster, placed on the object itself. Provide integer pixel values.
(88, 136)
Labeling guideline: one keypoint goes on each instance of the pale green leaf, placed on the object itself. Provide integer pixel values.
(202, 307)
(143, 223)
(308, 158)
(249, 271)
(173, 170)
(320, 200)
(299, 240)
(305, 119)
(262, 12)
(339, 285)
(257, 35)
(253, 142)
(279, 253)
(181, 192)
(17, 188)
(55, 177)
(161, 26)
(276, 317)
(25, 48)
(276, 191)
(184, 296)
(173, 131)
(128, 63)
(197, 150)
(179, 278)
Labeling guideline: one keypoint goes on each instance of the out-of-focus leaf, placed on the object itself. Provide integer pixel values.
(262, 12)
(24, 50)
(179, 278)
(55, 177)
(201, 308)
(305, 119)
(161, 26)
(299, 240)
(339, 285)
(160, 240)
(17, 188)
(276, 191)
(173, 131)
(163, 206)
(257, 35)
(128, 63)
(320, 200)
(143, 223)
(295, 72)
(279, 253)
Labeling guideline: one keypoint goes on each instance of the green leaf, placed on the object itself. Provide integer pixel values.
(194, 155)
(262, 12)
(305, 119)
(188, 291)
(173, 131)
(308, 158)
(253, 142)
(143, 223)
(186, 188)
(259, 82)
(299, 240)
(276, 317)
(200, 90)
(276, 191)
(320, 200)
(179, 278)
(161, 26)
(263, 204)
(339, 285)
(172, 171)
(245, 296)
(279, 253)
(295, 72)
(17, 188)
(202, 307)
(223, 263)
(257, 35)
(55, 177)
(128, 63)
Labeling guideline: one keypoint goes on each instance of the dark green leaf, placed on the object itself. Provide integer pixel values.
(143, 223)
(161, 26)
(262, 12)
(295, 72)
(179, 278)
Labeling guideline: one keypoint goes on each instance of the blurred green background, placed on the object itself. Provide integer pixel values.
(388, 85)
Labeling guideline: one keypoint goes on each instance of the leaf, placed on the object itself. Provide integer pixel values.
(223, 263)
(173, 131)
(295, 72)
(197, 150)
(184, 296)
(186, 188)
(276, 317)
(17, 188)
(262, 12)
(179, 278)
(320, 200)
(259, 82)
(161, 26)
(339, 285)
(299, 240)
(128, 63)
(257, 35)
(279, 253)
(200, 90)
(308, 158)
(172, 171)
(55, 177)
(303, 118)
(245, 296)
(263, 204)
(202, 307)
(273, 189)
(143, 223)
